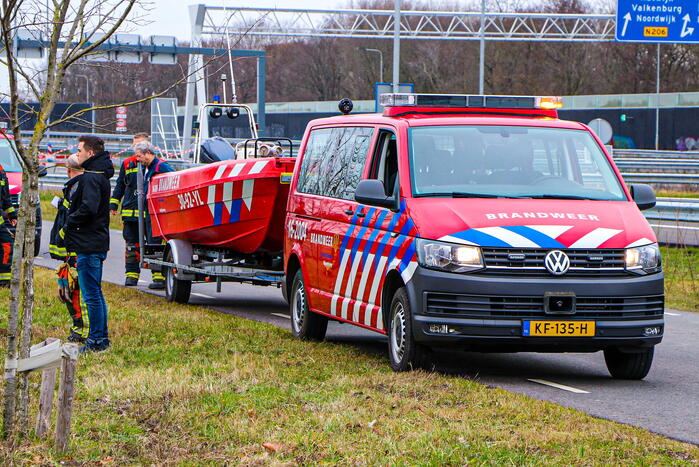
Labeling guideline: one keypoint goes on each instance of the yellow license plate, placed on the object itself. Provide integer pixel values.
(558, 328)
(651, 31)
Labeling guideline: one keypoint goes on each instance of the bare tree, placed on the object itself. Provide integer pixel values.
(75, 29)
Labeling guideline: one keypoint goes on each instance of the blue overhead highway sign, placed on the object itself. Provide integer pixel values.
(669, 21)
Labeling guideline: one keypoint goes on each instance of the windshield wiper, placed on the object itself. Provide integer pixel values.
(459, 194)
(547, 196)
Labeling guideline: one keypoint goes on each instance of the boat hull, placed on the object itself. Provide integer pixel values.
(237, 204)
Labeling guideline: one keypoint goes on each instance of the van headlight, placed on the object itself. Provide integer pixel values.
(643, 259)
(448, 256)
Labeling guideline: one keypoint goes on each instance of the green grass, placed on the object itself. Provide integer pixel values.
(48, 212)
(188, 386)
(678, 194)
(681, 268)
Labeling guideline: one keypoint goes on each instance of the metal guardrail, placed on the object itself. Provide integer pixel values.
(651, 153)
(658, 178)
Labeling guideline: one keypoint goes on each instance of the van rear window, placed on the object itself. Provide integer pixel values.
(510, 161)
(333, 161)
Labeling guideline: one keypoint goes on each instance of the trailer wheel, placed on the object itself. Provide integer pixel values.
(305, 324)
(404, 353)
(628, 365)
(176, 290)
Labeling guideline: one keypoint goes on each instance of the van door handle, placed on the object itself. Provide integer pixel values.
(349, 212)
(360, 214)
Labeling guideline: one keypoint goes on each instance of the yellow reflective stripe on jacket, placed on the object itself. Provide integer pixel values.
(114, 201)
(129, 213)
(9, 210)
(5, 276)
(2, 182)
(66, 204)
(57, 250)
(135, 275)
(130, 171)
(61, 233)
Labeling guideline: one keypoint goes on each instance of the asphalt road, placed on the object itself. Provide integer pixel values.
(665, 402)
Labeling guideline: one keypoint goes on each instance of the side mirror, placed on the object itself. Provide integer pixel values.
(643, 195)
(372, 192)
(42, 171)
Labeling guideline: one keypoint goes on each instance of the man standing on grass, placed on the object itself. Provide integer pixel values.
(87, 234)
(145, 154)
(125, 193)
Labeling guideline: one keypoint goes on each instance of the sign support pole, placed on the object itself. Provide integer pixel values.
(657, 98)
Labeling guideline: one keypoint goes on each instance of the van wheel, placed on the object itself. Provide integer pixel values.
(176, 290)
(623, 365)
(305, 324)
(404, 353)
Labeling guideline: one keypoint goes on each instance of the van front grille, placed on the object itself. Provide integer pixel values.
(530, 262)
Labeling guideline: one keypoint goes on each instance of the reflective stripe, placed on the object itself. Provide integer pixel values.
(9, 210)
(4, 276)
(130, 171)
(66, 204)
(2, 182)
(158, 277)
(135, 275)
(114, 201)
(61, 233)
(57, 250)
(129, 213)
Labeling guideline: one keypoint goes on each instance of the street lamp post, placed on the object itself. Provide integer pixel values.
(87, 96)
(377, 51)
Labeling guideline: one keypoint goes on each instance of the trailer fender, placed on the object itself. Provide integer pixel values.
(182, 256)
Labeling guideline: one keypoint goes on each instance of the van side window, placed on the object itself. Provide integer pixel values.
(385, 164)
(333, 161)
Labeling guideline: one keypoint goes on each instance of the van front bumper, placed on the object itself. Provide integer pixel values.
(487, 313)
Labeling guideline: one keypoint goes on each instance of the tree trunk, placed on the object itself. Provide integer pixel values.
(30, 199)
(12, 326)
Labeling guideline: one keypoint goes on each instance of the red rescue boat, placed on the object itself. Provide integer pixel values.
(233, 204)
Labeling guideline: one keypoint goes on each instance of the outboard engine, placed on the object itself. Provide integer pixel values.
(216, 149)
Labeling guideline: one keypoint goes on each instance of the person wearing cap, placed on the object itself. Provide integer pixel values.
(145, 153)
(69, 290)
(8, 216)
(125, 193)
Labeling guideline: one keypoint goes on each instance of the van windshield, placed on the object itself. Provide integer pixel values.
(8, 158)
(510, 161)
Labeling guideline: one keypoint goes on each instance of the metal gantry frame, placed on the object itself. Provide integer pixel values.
(426, 25)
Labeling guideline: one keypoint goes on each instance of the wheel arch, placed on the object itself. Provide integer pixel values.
(391, 284)
(293, 264)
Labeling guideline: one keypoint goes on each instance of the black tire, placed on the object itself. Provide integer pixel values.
(176, 290)
(305, 324)
(622, 365)
(404, 353)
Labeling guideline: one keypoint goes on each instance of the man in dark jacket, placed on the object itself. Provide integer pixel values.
(125, 193)
(145, 153)
(8, 215)
(87, 234)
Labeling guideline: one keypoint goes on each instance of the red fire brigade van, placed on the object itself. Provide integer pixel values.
(472, 222)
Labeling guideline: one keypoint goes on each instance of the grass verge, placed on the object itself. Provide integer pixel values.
(678, 194)
(48, 212)
(185, 385)
(681, 268)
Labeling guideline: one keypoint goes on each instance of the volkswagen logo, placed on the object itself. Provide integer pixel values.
(557, 262)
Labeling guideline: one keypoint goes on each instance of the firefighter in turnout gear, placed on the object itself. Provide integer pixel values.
(145, 153)
(8, 216)
(68, 284)
(125, 193)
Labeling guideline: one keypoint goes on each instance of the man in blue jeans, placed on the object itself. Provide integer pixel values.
(87, 234)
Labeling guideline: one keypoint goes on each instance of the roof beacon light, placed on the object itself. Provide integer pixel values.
(549, 102)
(473, 101)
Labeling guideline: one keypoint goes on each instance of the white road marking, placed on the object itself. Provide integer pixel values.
(281, 315)
(558, 386)
(202, 295)
(672, 314)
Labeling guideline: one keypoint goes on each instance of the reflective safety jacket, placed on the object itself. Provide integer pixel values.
(7, 210)
(126, 188)
(57, 248)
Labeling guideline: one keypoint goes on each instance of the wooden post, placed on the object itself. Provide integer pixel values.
(65, 395)
(48, 383)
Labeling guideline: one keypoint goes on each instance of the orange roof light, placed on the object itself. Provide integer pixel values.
(549, 102)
